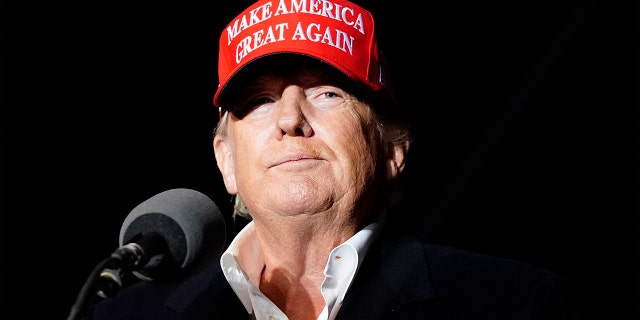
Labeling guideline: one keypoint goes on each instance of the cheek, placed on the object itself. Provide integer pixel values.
(364, 155)
(358, 148)
(247, 137)
(249, 145)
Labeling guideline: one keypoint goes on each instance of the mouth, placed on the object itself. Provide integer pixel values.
(295, 159)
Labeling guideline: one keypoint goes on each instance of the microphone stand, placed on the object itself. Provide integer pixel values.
(101, 281)
(90, 288)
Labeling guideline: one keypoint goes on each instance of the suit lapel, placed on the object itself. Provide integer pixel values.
(394, 274)
(206, 295)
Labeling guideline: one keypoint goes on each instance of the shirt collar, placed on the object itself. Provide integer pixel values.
(342, 265)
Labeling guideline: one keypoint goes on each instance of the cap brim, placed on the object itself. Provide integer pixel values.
(275, 61)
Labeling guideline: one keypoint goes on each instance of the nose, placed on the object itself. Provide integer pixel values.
(291, 117)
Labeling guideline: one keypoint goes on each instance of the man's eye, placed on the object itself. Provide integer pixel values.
(259, 101)
(323, 92)
(249, 105)
(330, 94)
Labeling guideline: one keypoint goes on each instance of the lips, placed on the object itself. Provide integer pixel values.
(294, 158)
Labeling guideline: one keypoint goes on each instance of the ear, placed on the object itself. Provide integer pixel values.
(225, 162)
(396, 157)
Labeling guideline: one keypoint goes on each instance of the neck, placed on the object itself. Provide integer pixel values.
(295, 250)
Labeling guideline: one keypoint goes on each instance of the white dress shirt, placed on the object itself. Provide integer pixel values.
(242, 265)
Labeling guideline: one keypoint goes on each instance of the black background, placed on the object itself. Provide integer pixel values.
(526, 117)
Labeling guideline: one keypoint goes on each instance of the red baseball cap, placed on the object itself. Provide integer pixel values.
(337, 32)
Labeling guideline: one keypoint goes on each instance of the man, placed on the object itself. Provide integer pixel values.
(312, 144)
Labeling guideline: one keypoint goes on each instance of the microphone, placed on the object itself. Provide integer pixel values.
(163, 236)
(166, 236)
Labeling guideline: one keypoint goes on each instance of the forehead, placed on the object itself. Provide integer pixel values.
(302, 75)
(285, 69)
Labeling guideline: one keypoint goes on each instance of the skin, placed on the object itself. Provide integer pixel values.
(303, 154)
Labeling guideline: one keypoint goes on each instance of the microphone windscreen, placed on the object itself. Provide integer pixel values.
(188, 220)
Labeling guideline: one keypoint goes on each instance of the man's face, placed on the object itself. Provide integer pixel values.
(298, 143)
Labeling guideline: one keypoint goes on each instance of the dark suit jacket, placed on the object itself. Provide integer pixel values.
(401, 278)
